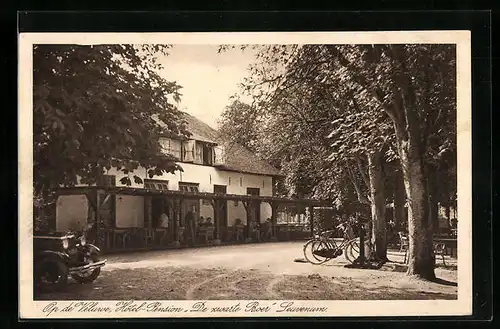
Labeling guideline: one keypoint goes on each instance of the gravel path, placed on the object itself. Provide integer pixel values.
(254, 271)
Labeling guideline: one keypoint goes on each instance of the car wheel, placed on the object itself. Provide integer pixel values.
(51, 275)
(90, 275)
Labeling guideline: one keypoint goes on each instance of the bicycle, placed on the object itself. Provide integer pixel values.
(323, 247)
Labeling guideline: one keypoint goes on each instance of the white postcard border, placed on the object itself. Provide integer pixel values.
(29, 309)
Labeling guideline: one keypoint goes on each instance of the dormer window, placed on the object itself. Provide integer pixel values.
(207, 154)
(188, 148)
(199, 153)
(194, 151)
(219, 156)
(204, 153)
(171, 147)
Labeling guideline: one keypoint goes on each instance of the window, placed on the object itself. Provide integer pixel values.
(189, 187)
(199, 152)
(188, 149)
(170, 146)
(153, 184)
(219, 156)
(220, 189)
(165, 145)
(253, 191)
(207, 154)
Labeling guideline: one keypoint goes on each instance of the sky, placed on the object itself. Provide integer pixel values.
(208, 79)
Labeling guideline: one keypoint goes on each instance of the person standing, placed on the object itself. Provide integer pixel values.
(189, 219)
(163, 223)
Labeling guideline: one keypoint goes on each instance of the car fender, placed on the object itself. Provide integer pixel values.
(92, 248)
(52, 255)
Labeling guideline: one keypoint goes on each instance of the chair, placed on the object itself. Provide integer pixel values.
(403, 244)
(163, 234)
(149, 235)
(180, 233)
(267, 230)
(238, 231)
(256, 233)
(440, 250)
(228, 233)
(207, 233)
(123, 236)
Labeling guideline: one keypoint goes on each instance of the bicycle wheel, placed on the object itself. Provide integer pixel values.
(310, 247)
(352, 251)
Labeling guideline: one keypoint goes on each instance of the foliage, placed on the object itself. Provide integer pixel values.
(396, 99)
(299, 105)
(97, 107)
(414, 85)
(239, 124)
(352, 86)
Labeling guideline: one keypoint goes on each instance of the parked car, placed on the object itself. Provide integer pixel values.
(60, 255)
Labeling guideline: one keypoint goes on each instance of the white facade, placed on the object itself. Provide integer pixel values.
(72, 210)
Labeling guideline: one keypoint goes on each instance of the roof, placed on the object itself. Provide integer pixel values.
(237, 157)
(114, 190)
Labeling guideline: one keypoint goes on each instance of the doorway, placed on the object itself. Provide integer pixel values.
(254, 205)
(158, 206)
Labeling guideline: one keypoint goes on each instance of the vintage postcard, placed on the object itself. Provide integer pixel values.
(180, 175)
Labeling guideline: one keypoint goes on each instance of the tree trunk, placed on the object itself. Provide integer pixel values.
(377, 198)
(404, 114)
(410, 143)
(399, 202)
(432, 185)
(420, 251)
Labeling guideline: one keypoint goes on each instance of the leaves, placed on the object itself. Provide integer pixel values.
(95, 108)
(239, 124)
(324, 107)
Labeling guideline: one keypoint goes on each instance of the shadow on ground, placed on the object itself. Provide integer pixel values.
(183, 283)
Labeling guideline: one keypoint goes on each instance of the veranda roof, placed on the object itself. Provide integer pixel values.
(188, 195)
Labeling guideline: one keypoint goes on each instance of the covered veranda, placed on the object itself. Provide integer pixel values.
(183, 230)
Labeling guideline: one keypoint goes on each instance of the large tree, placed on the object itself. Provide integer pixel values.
(302, 94)
(240, 123)
(97, 107)
(413, 86)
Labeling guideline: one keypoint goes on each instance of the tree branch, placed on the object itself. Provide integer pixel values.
(363, 172)
(361, 81)
(361, 198)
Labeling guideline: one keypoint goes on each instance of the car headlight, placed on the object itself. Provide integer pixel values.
(65, 243)
(83, 240)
